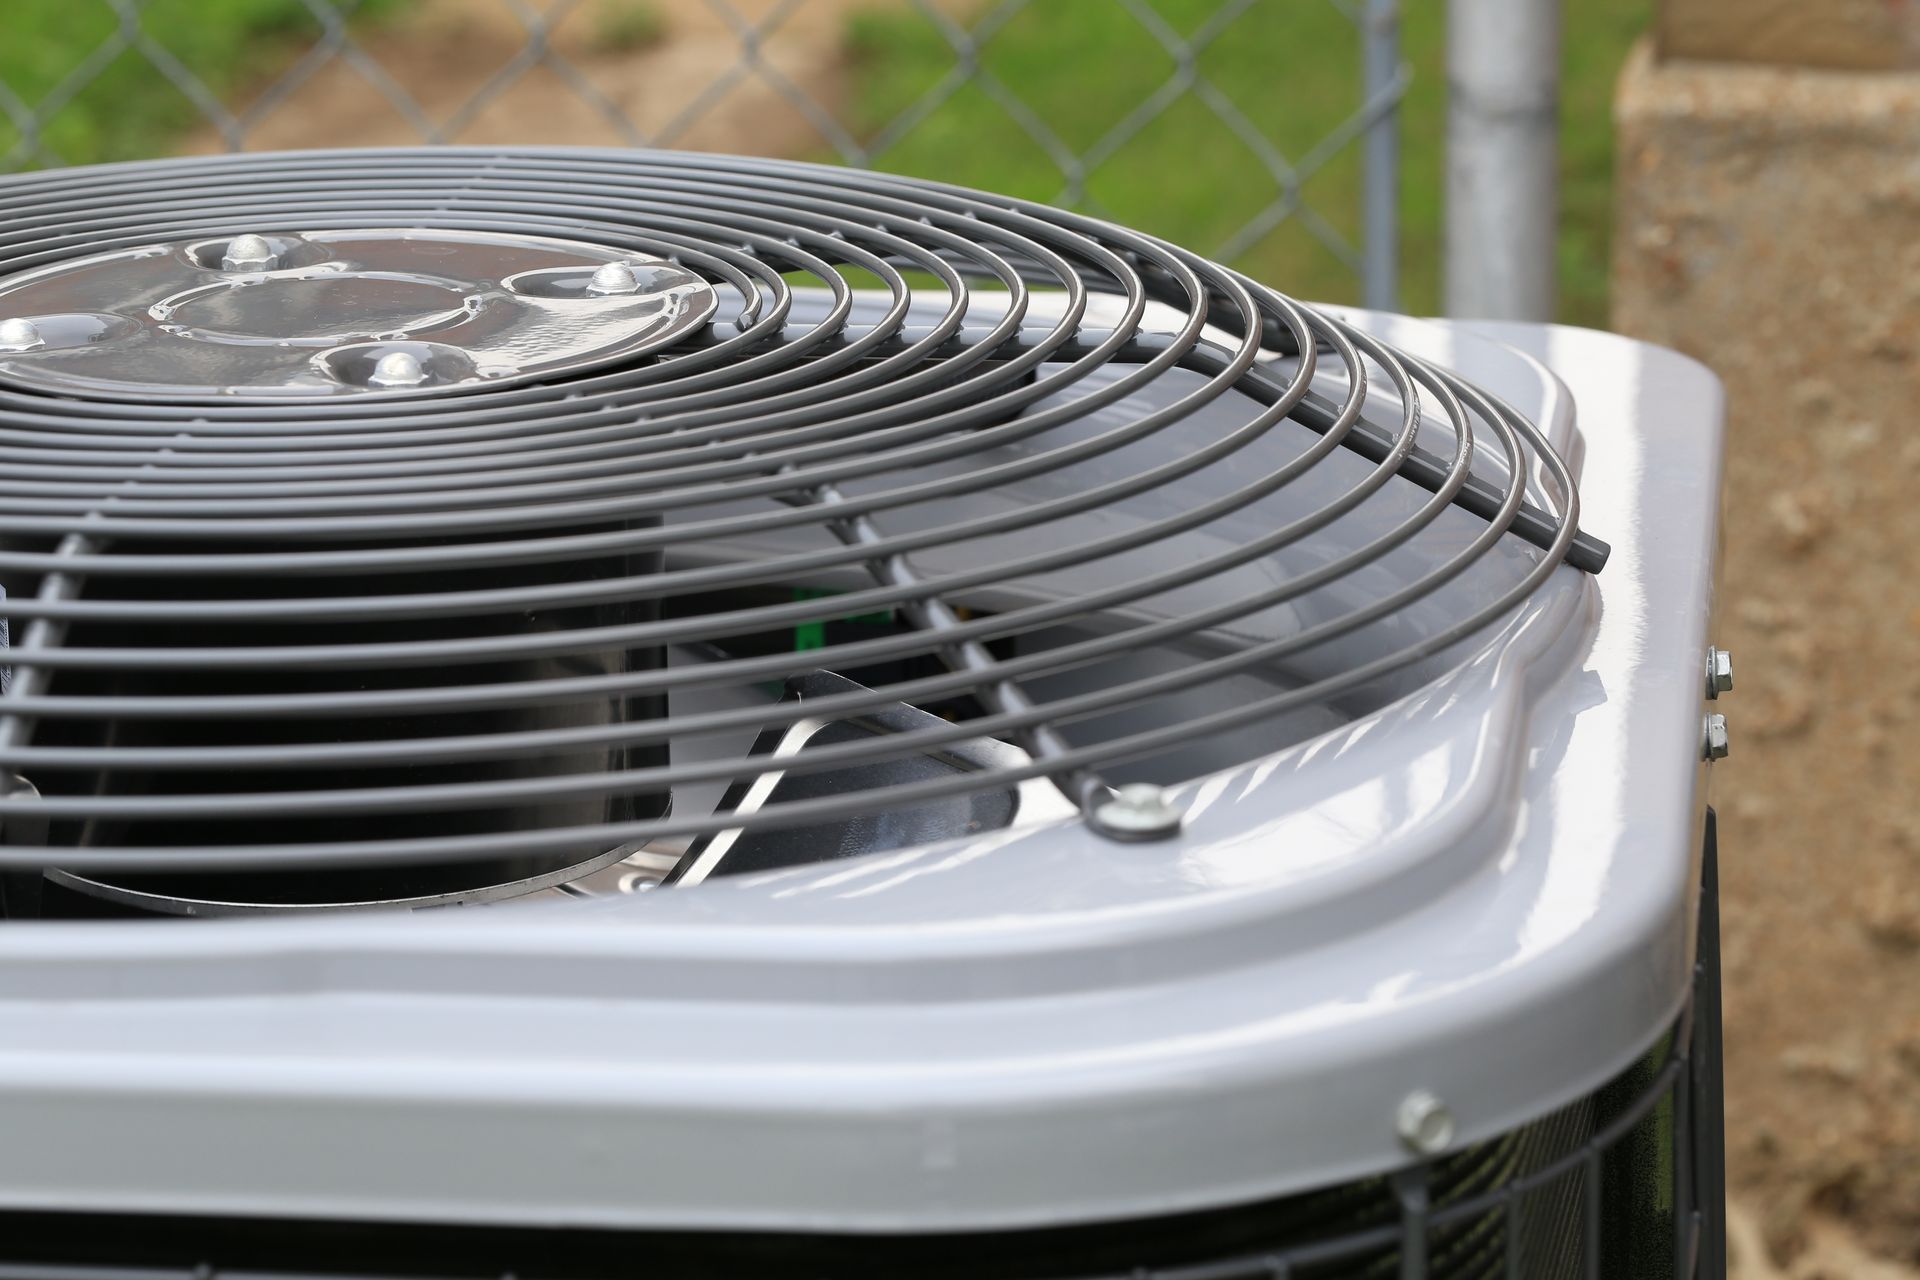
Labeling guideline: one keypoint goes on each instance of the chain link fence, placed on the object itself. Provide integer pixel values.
(789, 77)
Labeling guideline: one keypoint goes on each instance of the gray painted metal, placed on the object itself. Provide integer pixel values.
(1503, 114)
(1482, 888)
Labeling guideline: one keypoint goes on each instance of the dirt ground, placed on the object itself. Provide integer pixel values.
(1821, 833)
(1767, 225)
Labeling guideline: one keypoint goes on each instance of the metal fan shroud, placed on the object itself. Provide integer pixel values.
(1480, 889)
(1125, 516)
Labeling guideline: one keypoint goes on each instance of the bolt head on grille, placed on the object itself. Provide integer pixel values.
(18, 334)
(249, 253)
(1138, 811)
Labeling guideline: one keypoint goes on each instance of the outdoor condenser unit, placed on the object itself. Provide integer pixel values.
(617, 713)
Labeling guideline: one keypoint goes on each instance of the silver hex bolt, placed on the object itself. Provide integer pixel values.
(613, 278)
(17, 333)
(249, 253)
(1424, 1123)
(1137, 811)
(1719, 672)
(1714, 742)
(397, 369)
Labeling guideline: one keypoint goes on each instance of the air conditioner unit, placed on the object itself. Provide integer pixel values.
(615, 713)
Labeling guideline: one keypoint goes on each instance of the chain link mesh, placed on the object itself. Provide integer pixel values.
(740, 75)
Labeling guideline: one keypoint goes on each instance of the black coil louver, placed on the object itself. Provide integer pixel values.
(265, 648)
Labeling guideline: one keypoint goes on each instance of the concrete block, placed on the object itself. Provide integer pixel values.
(1857, 34)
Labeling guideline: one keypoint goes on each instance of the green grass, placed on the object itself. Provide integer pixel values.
(627, 26)
(1292, 68)
(126, 109)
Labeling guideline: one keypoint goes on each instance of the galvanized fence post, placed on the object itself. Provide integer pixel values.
(1380, 212)
(1502, 197)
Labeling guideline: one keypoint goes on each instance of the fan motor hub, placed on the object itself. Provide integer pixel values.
(302, 315)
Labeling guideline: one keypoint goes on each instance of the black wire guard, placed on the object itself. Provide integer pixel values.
(828, 425)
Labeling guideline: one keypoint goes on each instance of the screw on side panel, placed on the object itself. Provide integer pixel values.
(1714, 741)
(1424, 1123)
(1719, 672)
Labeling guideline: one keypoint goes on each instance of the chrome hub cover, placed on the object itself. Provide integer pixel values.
(300, 315)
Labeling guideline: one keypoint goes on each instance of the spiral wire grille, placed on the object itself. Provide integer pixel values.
(126, 525)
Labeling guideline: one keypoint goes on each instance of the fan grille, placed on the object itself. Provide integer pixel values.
(432, 629)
